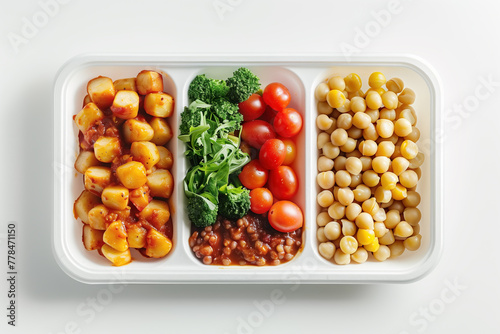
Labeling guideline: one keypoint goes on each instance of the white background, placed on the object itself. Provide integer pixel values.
(459, 38)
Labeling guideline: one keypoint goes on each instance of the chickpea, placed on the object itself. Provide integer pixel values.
(344, 121)
(355, 133)
(376, 80)
(393, 219)
(349, 146)
(370, 206)
(399, 165)
(348, 227)
(335, 98)
(373, 247)
(390, 100)
(374, 114)
(402, 127)
(365, 220)
(417, 161)
(397, 205)
(326, 249)
(348, 244)
(358, 104)
(320, 234)
(353, 165)
(371, 178)
(332, 230)
(387, 238)
(324, 108)
(412, 216)
(326, 180)
(360, 255)
(323, 122)
(412, 199)
(323, 218)
(345, 196)
(323, 138)
(346, 107)
(413, 243)
(336, 83)
(380, 230)
(385, 128)
(408, 179)
(419, 172)
(330, 151)
(409, 115)
(352, 211)
(341, 258)
(389, 114)
(358, 93)
(407, 96)
(367, 163)
(414, 134)
(339, 137)
(416, 229)
(397, 248)
(365, 236)
(356, 180)
(395, 85)
(321, 91)
(325, 198)
(409, 149)
(373, 100)
(382, 254)
(379, 90)
(340, 163)
(383, 195)
(352, 83)
(385, 148)
(361, 120)
(403, 230)
(354, 154)
(371, 132)
(381, 164)
(399, 192)
(368, 147)
(325, 164)
(343, 178)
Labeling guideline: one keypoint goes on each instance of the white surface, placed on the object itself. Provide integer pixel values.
(458, 38)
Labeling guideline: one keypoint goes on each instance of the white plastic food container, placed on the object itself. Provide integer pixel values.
(301, 74)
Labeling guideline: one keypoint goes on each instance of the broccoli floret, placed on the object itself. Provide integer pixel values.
(201, 211)
(242, 84)
(227, 112)
(191, 116)
(234, 202)
(206, 89)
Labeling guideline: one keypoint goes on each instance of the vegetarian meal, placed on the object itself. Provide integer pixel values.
(368, 169)
(123, 129)
(240, 187)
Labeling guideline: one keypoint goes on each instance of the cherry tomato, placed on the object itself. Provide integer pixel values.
(269, 115)
(252, 108)
(291, 151)
(283, 182)
(261, 200)
(256, 133)
(253, 175)
(276, 96)
(288, 122)
(272, 154)
(285, 216)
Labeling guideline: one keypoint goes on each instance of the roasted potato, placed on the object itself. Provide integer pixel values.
(159, 104)
(115, 197)
(107, 148)
(149, 82)
(97, 178)
(101, 92)
(132, 174)
(88, 116)
(135, 130)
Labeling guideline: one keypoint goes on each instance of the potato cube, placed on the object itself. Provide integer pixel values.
(149, 82)
(166, 158)
(117, 258)
(101, 92)
(161, 183)
(132, 174)
(119, 214)
(97, 217)
(97, 178)
(86, 100)
(125, 84)
(135, 130)
(107, 148)
(140, 197)
(136, 236)
(92, 238)
(116, 236)
(85, 160)
(88, 116)
(126, 104)
(145, 152)
(157, 245)
(157, 213)
(115, 197)
(84, 203)
(162, 131)
(159, 104)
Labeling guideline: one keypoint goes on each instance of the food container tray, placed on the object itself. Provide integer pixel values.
(301, 74)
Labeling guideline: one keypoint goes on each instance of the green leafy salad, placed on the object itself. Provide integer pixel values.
(208, 127)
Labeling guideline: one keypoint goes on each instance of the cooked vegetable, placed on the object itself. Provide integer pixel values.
(206, 89)
(242, 84)
(234, 202)
(201, 211)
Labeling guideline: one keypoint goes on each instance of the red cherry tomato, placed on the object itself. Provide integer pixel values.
(276, 96)
(291, 151)
(261, 200)
(256, 133)
(283, 182)
(285, 216)
(252, 108)
(268, 115)
(272, 153)
(253, 175)
(288, 122)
